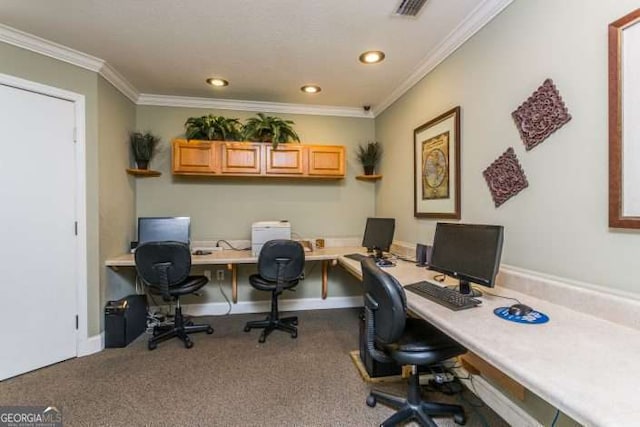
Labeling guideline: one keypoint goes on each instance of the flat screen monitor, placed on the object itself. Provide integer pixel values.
(162, 229)
(469, 252)
(378, 235)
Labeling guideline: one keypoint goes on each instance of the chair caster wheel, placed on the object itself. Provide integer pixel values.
(371, 401)
(152, 345)
(247, 328)
(188, 344)
(294, 335)
(295, 322)
(155, 333)
(209, 330)
(189, 323)
(460, 419)
(262, 339)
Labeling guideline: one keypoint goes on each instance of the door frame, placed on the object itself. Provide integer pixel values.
(78, 100)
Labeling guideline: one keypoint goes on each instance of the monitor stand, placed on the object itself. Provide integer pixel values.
(377, 253)
(465, 288)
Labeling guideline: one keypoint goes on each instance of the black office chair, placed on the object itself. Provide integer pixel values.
(280, 266)
(164, 268)
(391, 336)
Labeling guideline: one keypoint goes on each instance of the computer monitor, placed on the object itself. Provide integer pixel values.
(161, 229)
(378, 235)
(469, 252)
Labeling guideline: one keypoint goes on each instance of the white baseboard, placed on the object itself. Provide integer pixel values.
(501, 404)
(218, 308)
(91, 345)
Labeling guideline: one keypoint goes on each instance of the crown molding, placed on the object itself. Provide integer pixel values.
(48, 48)
(476, 20)
(57, 51)
(260, 106)
(119, 82)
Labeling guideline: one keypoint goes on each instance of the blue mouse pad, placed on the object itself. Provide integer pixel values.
(535, 317)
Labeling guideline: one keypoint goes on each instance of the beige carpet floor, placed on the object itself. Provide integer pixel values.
(226, 379)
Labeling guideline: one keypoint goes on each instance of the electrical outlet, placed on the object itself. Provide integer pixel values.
(220, 275)
(207, 274)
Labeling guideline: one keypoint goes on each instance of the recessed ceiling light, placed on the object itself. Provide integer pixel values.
(310, 88)
(372, 57)
(217, 82)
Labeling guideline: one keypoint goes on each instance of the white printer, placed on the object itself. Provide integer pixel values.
(263, 231)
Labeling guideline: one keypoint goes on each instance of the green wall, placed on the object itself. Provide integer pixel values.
(226, 208)
(116, 118)
(558, 225)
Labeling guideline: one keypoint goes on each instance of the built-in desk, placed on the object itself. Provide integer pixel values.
(328, 256)
(584, 365)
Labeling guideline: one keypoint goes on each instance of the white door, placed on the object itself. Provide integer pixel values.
(38, 260)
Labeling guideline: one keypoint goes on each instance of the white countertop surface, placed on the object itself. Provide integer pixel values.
(582, 364)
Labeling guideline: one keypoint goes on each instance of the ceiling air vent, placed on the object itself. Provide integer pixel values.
(409, 7)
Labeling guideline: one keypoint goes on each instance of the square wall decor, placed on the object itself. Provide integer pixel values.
(505, 177)
(541, 115)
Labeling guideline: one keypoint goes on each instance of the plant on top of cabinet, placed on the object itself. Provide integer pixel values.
(143, 147)
(213, 128)
(369, 156)
(269, 129)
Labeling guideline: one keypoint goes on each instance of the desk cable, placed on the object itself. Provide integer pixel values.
(498, 296)
(230, 245)
(555, 419)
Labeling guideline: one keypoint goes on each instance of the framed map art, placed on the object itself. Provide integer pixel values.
(437, 167)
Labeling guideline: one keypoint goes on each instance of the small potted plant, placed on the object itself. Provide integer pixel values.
(369, 155)
(213, 128)
(143, 147)
(269, 129)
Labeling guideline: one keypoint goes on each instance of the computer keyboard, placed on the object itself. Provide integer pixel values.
(356, 257)
(443, 296)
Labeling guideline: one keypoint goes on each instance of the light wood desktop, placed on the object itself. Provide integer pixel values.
(328, 257)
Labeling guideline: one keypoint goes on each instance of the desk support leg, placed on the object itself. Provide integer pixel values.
(234, 282)
(325, 274)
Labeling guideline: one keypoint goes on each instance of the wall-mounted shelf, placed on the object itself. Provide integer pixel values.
(143, 172)
(369, 177)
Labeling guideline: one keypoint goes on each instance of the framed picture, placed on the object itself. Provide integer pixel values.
(436, 167)
(624, 131)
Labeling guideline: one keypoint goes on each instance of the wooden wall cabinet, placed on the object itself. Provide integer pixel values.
(220, 158)
(241, 158)
(195, 158)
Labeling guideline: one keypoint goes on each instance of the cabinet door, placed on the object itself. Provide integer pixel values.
(194, 157)
(286, 159)
(326, 160)
(241, 158)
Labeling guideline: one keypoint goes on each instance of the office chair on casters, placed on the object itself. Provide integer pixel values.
(390, 335)
(280, 266)
(164, 268)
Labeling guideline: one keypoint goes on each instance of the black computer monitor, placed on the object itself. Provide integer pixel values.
(161, 229)
(378, 235)
(469, 252)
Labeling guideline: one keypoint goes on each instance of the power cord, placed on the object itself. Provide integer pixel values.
(498, 296)
(439, 277)
(230, 245)
(555, 419)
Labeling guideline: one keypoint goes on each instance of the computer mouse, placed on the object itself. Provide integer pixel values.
(384, 263)
(520, 310)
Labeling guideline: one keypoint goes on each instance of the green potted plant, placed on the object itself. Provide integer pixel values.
(369, 155)
(213, 128)
(269, 129)
(143, 147)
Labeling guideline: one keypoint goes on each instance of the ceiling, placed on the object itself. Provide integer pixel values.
(267, 49)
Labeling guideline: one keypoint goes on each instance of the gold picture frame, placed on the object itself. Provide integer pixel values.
(624, 134)
(436, 167)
